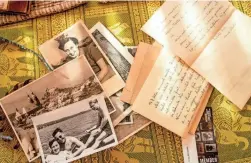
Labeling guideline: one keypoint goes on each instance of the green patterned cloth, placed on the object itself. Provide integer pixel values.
(151, 145)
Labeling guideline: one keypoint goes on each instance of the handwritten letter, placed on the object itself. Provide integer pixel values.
(225, 62)
(186, 27)
(179, 91)
(171, 93)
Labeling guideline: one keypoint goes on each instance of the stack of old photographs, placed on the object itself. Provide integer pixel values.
(75, 110)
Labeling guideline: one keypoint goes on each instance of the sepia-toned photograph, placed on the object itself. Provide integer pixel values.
(121, 60)
(57, 89)
(205, 126)
(74, 42)
(75, 131)
(200, 147)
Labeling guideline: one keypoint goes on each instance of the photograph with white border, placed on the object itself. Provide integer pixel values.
(121, 59)
(77, 41)
(56, 89)
(123, 110)
(75, 131)
(117, 54)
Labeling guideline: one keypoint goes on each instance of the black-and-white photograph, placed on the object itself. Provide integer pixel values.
(118, 60)
(66, 135)
(207, 136)
(120, 116)
(74, 42)
(70, 83)
(210, 148)
(121, 60)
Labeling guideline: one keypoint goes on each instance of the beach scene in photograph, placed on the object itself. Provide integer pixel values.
(75, 81)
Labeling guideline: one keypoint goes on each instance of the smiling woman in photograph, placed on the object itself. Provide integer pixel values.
(70, 46)
(56, 154)
(74, 48)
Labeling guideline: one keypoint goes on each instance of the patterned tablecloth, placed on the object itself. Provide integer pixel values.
(151, 145)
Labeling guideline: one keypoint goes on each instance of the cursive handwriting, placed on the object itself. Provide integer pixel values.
(188, 25)
(179, 91)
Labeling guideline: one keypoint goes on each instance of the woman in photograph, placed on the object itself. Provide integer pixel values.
(59, 154)
(56, 154)
(73, 48)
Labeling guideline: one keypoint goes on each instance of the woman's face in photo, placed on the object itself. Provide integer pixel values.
(55, 147)
(71, 49)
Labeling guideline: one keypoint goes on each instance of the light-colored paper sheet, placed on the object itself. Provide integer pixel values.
(226, 61)
(143, 62)
(186, 27)
(217, 49)
(190, 150)
(173, 94)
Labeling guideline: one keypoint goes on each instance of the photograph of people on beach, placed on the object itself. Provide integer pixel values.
(66, 136)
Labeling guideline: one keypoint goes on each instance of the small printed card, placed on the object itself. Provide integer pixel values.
(202, 147)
